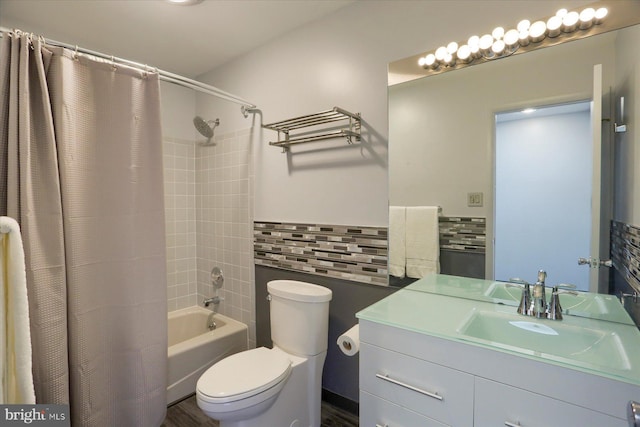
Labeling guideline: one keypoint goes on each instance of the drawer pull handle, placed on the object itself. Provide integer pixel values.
(410, 387)
(510, 424)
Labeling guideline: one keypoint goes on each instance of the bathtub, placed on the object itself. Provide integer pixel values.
(193, 348)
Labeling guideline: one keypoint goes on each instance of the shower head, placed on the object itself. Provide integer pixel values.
(205, 127)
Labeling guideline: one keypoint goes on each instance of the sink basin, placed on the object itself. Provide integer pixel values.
(587, 347)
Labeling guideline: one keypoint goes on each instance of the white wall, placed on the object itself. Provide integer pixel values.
(342, 60)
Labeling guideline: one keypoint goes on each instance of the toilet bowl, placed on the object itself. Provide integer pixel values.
(279, 386)
(225, 395)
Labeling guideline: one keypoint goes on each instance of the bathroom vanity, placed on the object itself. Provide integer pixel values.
(451, 351)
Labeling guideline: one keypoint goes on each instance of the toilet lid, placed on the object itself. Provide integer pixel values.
(244, 374)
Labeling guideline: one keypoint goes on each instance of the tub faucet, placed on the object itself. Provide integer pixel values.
(213, 300)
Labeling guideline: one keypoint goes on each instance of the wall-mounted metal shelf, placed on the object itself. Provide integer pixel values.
(284, 128)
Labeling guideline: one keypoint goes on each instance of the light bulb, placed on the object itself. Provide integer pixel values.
(486, 41)
(452, 47)
(422, 61)
(430, 60)
(570, 22)
(528, 110)
(553, 26)
(511, 38)
(498, 33)
(474, 49)
(473, 41)
(537, 30)
(449, 59)
(601, 14)
(523, 25)
(498, 47)
(440, 53)
(561, 13)
(586, 18)
(464, 53)
(523, 38)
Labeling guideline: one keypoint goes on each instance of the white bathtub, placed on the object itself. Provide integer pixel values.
(193, 348)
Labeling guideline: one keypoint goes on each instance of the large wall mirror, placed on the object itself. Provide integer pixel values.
(464, 132)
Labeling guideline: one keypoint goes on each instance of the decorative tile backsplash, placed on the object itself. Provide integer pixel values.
(347, 252)
(467, 234)
(625, 251)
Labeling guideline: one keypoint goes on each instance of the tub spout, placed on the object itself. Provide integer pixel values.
(214, 300)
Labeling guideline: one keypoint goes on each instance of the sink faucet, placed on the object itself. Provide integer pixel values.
(535, 304)
(554, 312)
(539, 299)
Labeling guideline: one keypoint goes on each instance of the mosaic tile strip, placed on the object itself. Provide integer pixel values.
(625, 251)
(465, 234)
(351, 253)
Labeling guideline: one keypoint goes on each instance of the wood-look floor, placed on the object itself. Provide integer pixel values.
(187, 414)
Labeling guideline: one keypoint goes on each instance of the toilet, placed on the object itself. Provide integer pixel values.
(280, 386)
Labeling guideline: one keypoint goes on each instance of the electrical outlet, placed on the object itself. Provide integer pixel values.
(474, 199)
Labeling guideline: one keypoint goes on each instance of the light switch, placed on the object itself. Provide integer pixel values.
(474, 199)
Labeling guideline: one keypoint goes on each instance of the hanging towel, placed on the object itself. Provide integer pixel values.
(397, 241)
(423, 241)
(15, 337)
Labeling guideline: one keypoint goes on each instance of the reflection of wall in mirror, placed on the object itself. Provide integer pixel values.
(627, 158)
(543, 195)
(441, 127)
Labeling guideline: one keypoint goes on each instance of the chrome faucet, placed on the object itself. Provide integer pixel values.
(525, 299)
(538, 306)
(535, 303)
(213, 300)
(554, 312)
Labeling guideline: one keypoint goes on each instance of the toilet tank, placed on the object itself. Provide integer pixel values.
(299, 316)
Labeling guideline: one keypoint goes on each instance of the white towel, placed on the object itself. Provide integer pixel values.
(397, 241)
(15, 337)
(423, 241)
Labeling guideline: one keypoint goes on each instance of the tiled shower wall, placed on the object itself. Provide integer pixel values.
(180, 217)
(224, 224)
(208, 223)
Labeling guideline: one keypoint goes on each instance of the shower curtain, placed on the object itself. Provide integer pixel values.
(81, 171)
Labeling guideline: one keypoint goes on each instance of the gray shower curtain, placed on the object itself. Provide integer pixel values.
(81, 171)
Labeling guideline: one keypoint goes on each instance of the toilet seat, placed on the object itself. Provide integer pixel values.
(243, 375)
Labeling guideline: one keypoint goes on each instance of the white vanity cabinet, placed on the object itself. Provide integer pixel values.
(502, 405)
(434, 391)
(411, 379)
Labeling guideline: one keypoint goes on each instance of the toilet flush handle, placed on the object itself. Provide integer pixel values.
(268, 297)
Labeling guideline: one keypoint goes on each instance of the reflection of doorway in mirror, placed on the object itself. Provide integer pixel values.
(543, 193)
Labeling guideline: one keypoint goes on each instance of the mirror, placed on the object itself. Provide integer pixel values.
(442, 134)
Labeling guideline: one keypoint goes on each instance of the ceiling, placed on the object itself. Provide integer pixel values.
(187, 40)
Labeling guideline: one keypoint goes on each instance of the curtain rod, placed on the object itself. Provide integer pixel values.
(164, 75)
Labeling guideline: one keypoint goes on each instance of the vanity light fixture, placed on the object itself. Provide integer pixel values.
(528, 110)
(185, 2)
(502, 43)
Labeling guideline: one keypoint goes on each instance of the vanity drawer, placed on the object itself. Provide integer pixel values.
(440, 393)
(377, 412)
(499, 404)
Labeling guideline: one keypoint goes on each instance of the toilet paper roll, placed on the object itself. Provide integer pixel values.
(349, 342)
